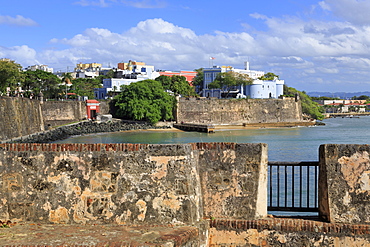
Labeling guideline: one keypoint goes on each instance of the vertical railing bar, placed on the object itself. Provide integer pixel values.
(278, 185)
(270, 169)
(286, 186)
(316, 168)
(293, 187)
(300, 186)
(308, 186)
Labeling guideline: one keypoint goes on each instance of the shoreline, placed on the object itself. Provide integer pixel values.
(92, 127)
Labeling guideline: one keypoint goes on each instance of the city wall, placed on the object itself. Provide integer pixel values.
(239, 111)
(57, 113)
(220, 188)
(23, 116)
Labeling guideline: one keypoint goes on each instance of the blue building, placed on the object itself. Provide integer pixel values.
(259, 89)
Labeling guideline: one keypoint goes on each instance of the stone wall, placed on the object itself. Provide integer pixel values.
(286, 232)
(23, 116)
(238, 111)
(131, 183)
(63, 112)
(19, 117)
(344, 183)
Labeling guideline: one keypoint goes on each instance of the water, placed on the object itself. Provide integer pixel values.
(284, 144)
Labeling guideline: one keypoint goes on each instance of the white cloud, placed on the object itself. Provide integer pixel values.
(16, 21)
(145, 4)
(354, 11)
(99, 3)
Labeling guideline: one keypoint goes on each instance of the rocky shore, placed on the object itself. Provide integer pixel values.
(83, 128)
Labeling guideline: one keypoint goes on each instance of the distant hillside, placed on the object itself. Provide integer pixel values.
(342, 95)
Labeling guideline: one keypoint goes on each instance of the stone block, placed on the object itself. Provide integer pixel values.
(344, 183)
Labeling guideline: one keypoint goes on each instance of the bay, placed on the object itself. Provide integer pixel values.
(284, 144)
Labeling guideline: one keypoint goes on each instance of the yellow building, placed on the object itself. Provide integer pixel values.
(90, 66)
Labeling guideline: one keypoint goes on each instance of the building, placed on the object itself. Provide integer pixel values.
(189, 75)
(259, 89)
(40, 67)
(126, 74)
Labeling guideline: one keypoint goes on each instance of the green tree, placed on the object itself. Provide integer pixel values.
(85, 86)
(228, 81)
(41, 81)
(269, 76)
(145, 100)
(176, 84)
(309, 107)
(198, 79)
(10, 75)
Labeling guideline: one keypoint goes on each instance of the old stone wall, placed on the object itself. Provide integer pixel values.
(62, 112)
(344, 183)
(19, 117)
(23, 116)
(238, 111)
(286, 232)
(130, 183)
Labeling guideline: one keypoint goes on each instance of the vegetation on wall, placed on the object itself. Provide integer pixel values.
(145, 100)
(309, 107)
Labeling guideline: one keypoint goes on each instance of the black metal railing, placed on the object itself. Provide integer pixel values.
(293, 186)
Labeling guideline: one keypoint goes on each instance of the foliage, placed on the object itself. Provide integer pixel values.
(85, 86)
(362, 97)
(10, 75)
(309, 107)
(145, 100)
(268, 76)
(176, 84)
(324, 98)
(198, 79)
(228, 81)
(41, 81)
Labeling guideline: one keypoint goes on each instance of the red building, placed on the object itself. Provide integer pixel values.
(92, 108)
(189, 75)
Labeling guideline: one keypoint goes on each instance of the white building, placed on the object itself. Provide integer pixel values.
(257, 90)
(112, 86)
(40, 67)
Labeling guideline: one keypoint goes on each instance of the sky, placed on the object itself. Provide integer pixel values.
(313, 45)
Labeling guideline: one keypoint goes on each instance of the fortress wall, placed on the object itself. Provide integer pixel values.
(238, 111)
(130, 183)
(62, 112)
(344, 191)
(23, 116)
(19, 117)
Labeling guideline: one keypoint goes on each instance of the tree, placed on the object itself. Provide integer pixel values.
(198, 80)
(41, 81)
(144, 100)
(269, 77)
(10, 75)
(228, 81)
(176, 84)
(309, 107)
(85, 86)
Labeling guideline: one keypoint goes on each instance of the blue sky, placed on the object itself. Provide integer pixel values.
(312, 45)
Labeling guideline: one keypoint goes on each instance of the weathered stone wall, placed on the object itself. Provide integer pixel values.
(23, 116)
(238, 111)
(130, 183)
(234, 181)
(286, 232)
(62, 112)
(344, 183)
(19, 117)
